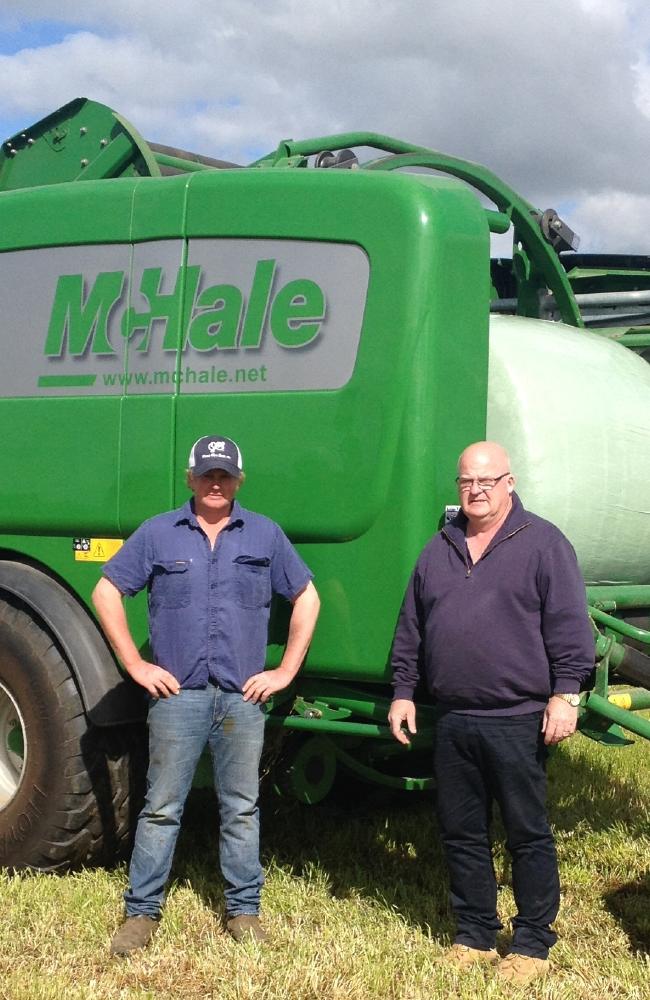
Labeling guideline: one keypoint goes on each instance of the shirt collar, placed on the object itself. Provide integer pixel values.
(186, 515)
(516, 518)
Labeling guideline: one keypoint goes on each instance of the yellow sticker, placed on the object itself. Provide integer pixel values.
(95, 549)
(621, 700)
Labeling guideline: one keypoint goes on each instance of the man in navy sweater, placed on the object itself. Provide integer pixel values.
(494, 620)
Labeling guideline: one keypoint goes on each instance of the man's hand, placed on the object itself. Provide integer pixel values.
(156, 680)
(402, 710)
(261, 686)
(560, 720)
(304, 613)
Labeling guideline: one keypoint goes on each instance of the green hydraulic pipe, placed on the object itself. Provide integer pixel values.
(341, 728)
(357, 701)
(499, 222)
(634, 340)
(305, 147)
(607, 644)
(609, 598)
(623, 628)
(331, 726)
(633, 723)
(187, 166)
(376, 777)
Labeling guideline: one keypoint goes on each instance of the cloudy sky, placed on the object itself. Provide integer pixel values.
(553, 95)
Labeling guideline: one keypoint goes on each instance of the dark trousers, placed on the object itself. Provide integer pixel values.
(479, 760)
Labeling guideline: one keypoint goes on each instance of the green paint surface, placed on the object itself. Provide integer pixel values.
(357, 475)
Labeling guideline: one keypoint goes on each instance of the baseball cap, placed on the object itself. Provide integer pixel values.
(214, 452)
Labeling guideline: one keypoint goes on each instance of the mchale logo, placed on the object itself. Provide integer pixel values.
(217, 318)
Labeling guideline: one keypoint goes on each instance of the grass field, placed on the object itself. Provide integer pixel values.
(355, 903)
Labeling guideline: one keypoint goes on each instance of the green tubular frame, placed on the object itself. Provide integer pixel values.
(604, 717)
(609, 598)
(179, 163)
(330, 713)
(335, 708)
(539, 262)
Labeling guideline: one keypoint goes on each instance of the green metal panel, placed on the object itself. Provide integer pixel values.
(81, 141)
(72, 441)
(67, 214)
(61, 466)
(159, 208)
(360, 474)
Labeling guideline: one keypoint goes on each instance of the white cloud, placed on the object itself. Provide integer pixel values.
(552, 96)
(614, 222)
(642, 94)
(613, 11)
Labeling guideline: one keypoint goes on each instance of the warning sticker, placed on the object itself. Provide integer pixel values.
(95, 549)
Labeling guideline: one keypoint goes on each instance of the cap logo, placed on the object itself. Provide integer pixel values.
(216, 446)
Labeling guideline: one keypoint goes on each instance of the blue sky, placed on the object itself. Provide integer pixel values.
(553, 96)
(18, 35)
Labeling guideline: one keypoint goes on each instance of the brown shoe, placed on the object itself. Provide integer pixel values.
(135, 932)
(461, 956)
(246, 927)
(522, 968)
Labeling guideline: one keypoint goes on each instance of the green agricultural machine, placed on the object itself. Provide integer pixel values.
(334, 308)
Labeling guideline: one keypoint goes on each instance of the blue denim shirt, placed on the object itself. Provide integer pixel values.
(209, 608)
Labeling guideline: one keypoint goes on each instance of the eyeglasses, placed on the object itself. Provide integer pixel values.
(464, 483)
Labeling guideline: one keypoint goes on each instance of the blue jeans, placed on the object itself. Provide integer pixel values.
(478, 760)
(179, 728)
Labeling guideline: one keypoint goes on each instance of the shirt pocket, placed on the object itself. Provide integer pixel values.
(252, 581)
(171, 583)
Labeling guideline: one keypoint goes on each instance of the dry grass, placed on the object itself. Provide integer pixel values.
(355, 902)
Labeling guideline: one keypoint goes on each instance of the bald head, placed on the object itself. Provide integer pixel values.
(492, 458)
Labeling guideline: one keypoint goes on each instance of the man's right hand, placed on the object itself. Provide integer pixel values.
(402, 711)
(110, 611)
(156, 680)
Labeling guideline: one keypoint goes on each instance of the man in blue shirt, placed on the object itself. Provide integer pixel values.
(210, 569)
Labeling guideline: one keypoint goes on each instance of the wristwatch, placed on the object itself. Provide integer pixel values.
(571, 699)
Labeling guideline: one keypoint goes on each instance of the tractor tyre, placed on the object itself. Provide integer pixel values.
(68, 790)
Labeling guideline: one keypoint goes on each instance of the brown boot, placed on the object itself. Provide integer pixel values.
(246, 927)
(135, 932)
(521, 969)
(461, 956)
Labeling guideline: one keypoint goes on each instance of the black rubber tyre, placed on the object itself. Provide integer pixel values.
(70, 791)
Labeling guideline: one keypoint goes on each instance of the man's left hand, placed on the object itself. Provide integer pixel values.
(261, 686)
(560, 720)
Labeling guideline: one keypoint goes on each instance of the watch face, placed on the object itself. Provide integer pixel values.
(571, 699)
